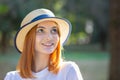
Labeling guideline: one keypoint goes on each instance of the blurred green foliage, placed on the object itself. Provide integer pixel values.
(3, 9)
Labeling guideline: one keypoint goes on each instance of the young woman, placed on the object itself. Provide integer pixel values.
(40, 40)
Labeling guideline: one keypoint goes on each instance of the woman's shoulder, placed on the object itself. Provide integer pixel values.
(12, 75)
(72, 71)
(69, 64)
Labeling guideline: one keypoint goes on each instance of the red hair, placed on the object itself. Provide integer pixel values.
(27, 57)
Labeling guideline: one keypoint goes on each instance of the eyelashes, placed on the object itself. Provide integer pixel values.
(44, 30)
(54, 30)
(40, 30)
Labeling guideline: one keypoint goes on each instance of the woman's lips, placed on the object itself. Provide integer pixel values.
(48, 45)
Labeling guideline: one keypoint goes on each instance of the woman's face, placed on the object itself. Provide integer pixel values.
(47, 37)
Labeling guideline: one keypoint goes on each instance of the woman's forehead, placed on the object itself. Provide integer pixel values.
(47, 24)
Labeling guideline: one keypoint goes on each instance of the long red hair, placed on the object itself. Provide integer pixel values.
(26, 61)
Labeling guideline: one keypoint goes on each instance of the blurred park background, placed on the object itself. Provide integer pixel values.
(94, 43)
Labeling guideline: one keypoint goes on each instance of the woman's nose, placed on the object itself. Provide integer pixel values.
(49, 36)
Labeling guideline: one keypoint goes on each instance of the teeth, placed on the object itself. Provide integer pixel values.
(48, 44)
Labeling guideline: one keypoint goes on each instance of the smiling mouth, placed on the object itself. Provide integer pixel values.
(48, 45)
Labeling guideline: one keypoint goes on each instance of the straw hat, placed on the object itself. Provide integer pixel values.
(37, 16)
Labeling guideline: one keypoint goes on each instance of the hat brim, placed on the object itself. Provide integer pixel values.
(65, 31)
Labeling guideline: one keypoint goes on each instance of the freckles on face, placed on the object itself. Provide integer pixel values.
(47, 37)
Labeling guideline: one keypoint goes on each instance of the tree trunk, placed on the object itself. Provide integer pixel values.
(115, 40)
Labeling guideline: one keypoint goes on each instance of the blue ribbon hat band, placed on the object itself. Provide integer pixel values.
(41, 17)
(38, 18)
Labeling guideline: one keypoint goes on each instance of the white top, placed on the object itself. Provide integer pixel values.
(68, 71)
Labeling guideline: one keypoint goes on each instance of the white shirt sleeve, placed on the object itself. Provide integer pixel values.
(74, 73)
(13, 75)
(8, 76)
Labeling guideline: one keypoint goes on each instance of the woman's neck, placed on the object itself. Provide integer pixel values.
(41, 62)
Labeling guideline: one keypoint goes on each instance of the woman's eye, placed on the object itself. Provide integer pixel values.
(40, 30)
(54, 31)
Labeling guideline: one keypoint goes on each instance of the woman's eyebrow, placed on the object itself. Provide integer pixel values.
(41, 27)
(45, 27)
(54, 27)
